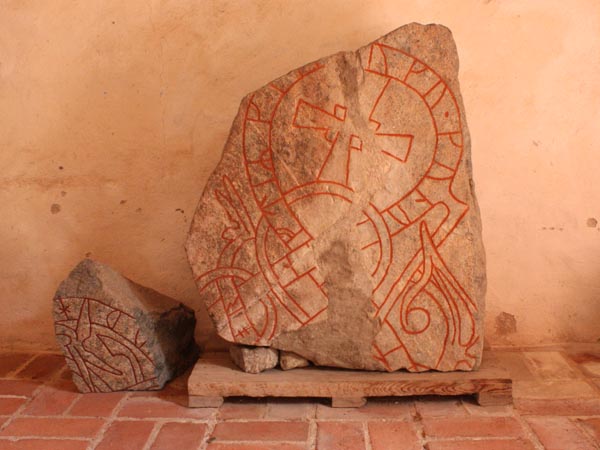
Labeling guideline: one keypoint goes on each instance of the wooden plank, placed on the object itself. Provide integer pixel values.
(215, 376)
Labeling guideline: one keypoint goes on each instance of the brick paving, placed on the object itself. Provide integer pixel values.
(557, 406)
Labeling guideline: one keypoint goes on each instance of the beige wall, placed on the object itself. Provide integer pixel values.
(114, 113)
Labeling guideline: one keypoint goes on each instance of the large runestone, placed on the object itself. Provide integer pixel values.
(341, 223)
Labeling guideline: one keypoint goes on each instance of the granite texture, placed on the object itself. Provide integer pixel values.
(254, 359)
(290, 360)
(117, 335)
(341, 223)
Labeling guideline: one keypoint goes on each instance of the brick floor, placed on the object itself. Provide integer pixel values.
(96, 405)
(261, 431)
(440, 407)
(559, 433)
(242, 410)
(156, 408)
(11, 362)
(51, 401)
(388, 435)
(475, 427)
(42, 367)
(484, 444)
(291, 409)
(592, 426)
(23, 388)
(340, 436)
(134, 433)
(52, 427)
(44, 444)
(175, 435)
(9, 405)
(557, 406)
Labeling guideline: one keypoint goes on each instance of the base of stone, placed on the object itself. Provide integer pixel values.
(215, 377)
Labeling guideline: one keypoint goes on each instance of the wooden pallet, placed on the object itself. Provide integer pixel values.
(215, 377)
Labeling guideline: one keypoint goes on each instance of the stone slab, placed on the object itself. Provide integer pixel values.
(118, 335)
(341, 223)
(253, 359)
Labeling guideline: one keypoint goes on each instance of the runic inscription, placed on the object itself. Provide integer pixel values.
(349, 232)
(93, 335)
(117, 335)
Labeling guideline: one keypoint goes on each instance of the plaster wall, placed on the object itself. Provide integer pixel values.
(113, 114)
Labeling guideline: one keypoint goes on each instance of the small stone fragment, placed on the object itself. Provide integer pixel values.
(117, 335)
(290, 360)
(254, 359)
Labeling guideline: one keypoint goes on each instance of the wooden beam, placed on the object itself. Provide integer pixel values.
(215, 377)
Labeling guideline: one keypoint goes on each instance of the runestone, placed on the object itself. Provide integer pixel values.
(117, 335)
(341, 223)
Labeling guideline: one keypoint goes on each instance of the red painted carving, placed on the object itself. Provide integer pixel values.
(411, 293)
(263, 284)
(103, 346)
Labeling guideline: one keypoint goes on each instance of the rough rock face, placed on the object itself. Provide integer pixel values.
(117, 335)
(254, 359)
(289, 360)
(341, 223)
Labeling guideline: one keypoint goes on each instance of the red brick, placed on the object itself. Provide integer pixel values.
(236, 410)
(66, 374)
(43, 444)
(477, 410)
(127, 434)
(549, 365)
(50, 401)
(565, 407)
(440, 407)
(388, 436)
(559, 433)
(9, 405)
(42, 367)
(174, 389)
(514, 362)
(54, 427)
(592, 426)
(180, 436)
(178, 385)
(261, 446)
(588, 361)
(261, 431)
(484, 444)
(374, 409)
(340, 436)
(66, 384)
(18, 387)
(284, 409)
(9, 362)
(96, 405)
(553, 389)
(473, 427)
(142, 408)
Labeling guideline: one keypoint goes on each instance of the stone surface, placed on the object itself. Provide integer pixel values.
(290, 360)
(254, 359)
(117, 335)
(341, 222)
